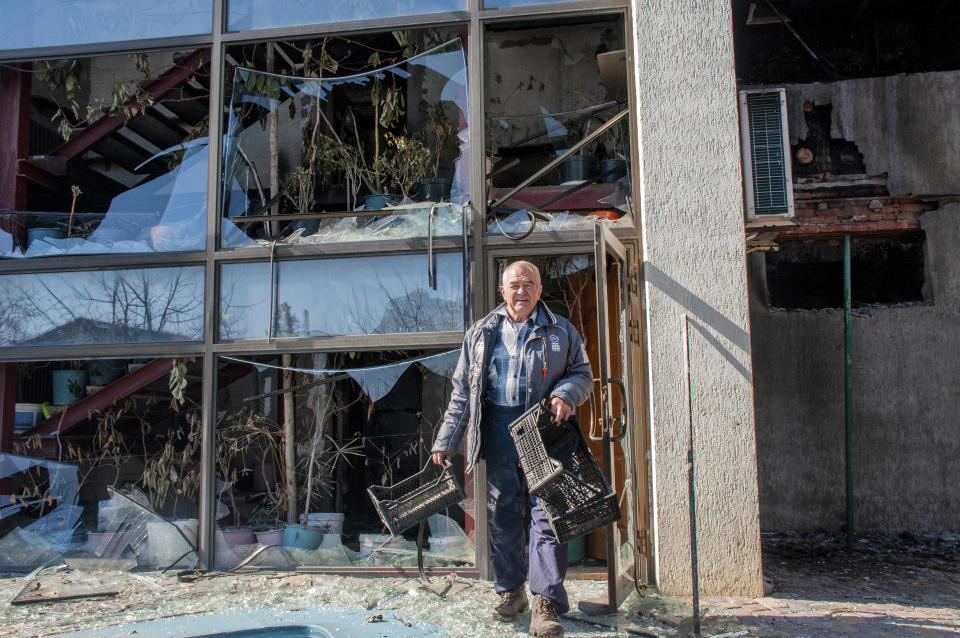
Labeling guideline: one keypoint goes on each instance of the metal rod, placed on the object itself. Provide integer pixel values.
(556, 162)
(848, 386)
(694, 576)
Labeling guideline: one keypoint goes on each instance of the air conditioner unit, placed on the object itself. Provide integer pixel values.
(765, 141)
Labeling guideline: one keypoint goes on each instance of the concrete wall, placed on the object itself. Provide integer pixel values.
(694, 263)
(906, 370)
(905, 125)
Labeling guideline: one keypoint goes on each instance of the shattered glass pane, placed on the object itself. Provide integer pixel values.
(560, 148)
(121, 160)
(361, 295)
(105, 306)
(347, 434)
(380, 154)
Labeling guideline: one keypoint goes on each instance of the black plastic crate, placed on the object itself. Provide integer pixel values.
(428, 492)
(566, 477)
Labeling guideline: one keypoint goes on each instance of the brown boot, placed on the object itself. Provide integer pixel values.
(543, 621)
(512, 603)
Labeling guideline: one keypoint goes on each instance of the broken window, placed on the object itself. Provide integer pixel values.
(346, 421)
(45, 23)
(102, 307)
(336, 140)
(558, 135)
(810, 274)
(106, 464)
(360, 295)
(117, 156)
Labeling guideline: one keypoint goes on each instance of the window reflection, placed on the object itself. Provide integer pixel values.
(44, 23)
(117, 156)
(102, 307)
(555, 117)
(354, 420)
(346, 140)
(328, 297)
(251, 14)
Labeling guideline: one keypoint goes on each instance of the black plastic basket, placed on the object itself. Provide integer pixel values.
(428, 492)
(567, 479)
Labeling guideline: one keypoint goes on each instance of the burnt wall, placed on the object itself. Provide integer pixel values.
(906, 370)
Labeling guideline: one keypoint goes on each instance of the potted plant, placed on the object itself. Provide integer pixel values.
(439, 132)
(70, 382)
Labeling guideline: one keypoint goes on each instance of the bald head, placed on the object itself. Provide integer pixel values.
(522, 266)
(520, 287)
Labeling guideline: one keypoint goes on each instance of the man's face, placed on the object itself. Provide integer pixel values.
(521, 290)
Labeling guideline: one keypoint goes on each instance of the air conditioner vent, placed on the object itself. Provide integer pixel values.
(767, 175)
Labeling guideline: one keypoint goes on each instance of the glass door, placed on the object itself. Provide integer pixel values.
(615, 426)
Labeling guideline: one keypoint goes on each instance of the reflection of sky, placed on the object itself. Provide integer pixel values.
(57, 22)
(358, 295)
(37, 304)
(256, 14)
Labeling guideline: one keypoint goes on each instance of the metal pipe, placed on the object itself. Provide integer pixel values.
(694, 570)
(848, 386)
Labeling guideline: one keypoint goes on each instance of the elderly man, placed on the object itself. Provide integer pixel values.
(516, 356)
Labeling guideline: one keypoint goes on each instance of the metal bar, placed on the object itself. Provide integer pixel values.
(328, 380)
(8, 406)
(119, 389)
(848, 386)
(156, 89)
(208, 404)
(556, 161)
(694, 571)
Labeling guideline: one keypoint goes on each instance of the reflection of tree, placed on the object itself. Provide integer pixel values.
(153, 301)
(404, 309)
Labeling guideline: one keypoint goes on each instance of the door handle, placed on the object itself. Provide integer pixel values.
(622, 425)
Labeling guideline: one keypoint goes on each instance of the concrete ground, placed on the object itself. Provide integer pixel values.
(889, 586)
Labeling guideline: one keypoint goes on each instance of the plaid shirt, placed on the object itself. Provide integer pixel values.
(506, 374)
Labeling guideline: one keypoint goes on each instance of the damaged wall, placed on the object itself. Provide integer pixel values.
(906, 368)
(904, 125)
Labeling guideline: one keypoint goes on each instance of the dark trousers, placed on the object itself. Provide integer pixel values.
(505, 516)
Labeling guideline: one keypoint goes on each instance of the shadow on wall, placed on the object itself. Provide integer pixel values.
(707, 318)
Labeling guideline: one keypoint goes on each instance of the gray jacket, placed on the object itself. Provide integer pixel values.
(566, 375)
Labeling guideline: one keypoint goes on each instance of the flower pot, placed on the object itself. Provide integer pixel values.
(302, 536)
(378, 200)
(238, 536)
(69, 386)
(42, 234)
(270, 537)
(434, 189)
(578, 168)
(330, 521)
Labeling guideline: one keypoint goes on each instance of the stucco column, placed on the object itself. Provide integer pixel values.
(695, 264)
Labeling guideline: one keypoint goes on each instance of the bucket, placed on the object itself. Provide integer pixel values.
(42, 233)
(577, 549)
(234, 537)
(434, 189)
(330, 521)
(302, 536)
(69, 386)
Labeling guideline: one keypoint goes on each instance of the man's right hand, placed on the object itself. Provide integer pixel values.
(440, 458)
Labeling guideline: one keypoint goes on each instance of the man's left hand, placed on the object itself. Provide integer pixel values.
(561, 409)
